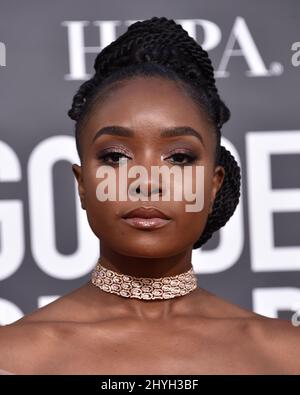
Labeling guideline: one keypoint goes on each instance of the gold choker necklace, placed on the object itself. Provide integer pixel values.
(144, 287)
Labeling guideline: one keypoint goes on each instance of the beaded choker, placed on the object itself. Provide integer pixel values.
(147, 288)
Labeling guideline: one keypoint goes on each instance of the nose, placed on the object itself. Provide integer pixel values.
(146, 186)
(150, 191)
(148, 183)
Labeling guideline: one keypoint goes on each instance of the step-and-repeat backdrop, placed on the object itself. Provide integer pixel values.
(47, 50)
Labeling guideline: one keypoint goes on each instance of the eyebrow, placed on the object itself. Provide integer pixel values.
(166, 132)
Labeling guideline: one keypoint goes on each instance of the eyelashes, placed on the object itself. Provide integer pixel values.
(190, 158)
(111, 157)
(110, 153)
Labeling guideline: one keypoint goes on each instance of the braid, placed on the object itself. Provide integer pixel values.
(160, 46)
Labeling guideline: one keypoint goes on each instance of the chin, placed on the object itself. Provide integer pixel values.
(147, 250)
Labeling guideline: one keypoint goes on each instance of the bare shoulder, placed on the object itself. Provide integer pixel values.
(65, 308)
(36, 337)
(281, 340)
(273, 340)
(34, 342)
(217, 307)
(24, 345)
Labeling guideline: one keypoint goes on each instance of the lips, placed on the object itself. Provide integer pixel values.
(149, 218)
(143, 212)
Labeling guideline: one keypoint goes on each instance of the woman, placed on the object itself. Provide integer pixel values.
(151, 102)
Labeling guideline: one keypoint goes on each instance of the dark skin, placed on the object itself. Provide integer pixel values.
(90, 331)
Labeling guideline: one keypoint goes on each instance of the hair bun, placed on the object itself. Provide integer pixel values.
(155, 24)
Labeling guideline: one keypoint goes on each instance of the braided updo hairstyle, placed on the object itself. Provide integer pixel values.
(161, 47)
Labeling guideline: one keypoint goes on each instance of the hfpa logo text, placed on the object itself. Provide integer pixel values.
(240, 34)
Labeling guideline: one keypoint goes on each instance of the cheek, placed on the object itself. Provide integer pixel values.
(100, 214)
(192, 223)
(197, 188)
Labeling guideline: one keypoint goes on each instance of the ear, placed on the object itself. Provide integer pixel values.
(218, 179)
(77, 171)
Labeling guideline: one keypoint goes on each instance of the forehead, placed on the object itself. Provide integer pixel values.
(147, 105)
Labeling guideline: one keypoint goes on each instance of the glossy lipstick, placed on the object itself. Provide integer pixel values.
(146, 218)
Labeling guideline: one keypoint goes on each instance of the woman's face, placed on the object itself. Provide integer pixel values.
(147, 106)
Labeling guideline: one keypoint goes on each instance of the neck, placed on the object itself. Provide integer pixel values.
(145, 266)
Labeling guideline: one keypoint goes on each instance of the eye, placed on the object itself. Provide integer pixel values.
(111, 157)
(181, 157)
